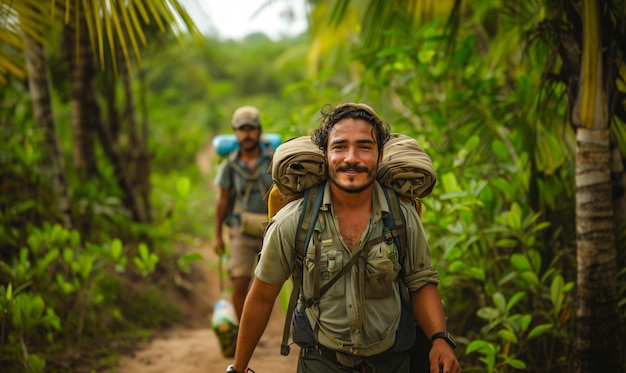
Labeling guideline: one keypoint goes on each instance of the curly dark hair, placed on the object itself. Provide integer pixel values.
(330, 117)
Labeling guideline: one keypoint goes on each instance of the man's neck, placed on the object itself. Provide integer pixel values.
(342, 200)
(250, 154)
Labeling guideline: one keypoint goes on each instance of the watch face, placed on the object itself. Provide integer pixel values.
(451, 340)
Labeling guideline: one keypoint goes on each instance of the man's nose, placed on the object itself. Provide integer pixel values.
(351, 155)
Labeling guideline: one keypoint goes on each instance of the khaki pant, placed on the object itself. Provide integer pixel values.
(244, 253)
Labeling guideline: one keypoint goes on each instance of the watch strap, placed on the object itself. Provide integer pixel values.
(445, 336)
(231, 369)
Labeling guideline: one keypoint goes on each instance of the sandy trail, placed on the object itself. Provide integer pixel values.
(196, 349)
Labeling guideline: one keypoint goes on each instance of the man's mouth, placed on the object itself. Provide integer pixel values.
(352, 169)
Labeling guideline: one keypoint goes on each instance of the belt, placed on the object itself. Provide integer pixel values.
(345, 361)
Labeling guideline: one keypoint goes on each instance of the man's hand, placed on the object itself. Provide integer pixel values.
(218, 246)
(442, 358)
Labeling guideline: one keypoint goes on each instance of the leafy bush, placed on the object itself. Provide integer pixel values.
(58, 289)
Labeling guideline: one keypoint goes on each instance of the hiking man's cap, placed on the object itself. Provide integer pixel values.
(246, 115)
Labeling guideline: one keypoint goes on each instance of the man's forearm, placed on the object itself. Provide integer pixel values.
(428, 310)
(220, 216)
(256, 314)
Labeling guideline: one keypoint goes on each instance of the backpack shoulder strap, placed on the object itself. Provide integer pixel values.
(306, 223)
(268, 146)
(395, 223)
(249, 178)
(311, 203)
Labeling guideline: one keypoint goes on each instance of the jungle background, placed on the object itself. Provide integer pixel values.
(105, 105)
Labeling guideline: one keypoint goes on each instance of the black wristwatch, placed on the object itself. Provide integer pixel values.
(231, 369)
(445, 336)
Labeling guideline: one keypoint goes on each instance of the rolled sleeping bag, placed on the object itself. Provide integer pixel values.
(226, 143)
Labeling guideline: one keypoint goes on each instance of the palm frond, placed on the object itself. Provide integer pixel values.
(109, 23)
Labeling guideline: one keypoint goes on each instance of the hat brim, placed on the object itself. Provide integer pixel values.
(246, 122)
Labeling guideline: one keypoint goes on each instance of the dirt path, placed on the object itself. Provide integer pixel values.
(196, 349)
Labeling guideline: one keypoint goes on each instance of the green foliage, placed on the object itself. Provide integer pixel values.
(499, 220)
(492, 252)
(61, 290)
(108, 274)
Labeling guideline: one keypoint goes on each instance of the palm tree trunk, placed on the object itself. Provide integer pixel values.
(138, 151)
(596, 341)
(87, 118)
(39, 88)
(143, 156)
(85, 108)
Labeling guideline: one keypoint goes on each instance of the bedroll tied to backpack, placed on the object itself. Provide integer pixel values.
(299, 164)
(224, 144)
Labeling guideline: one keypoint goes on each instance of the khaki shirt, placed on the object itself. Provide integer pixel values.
(228, 178)
(354, 316)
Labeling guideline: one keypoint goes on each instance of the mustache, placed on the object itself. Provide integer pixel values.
(348, 167)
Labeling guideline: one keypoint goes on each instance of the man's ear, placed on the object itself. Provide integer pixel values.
(380, 158)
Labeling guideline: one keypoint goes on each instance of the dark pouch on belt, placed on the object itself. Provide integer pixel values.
(349, 361)
(302, 333)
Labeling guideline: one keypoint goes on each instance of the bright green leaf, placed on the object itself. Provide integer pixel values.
(500, 301)
(488, 313)
(515, 363)
(481, 346)
(520, 262)
(507, 243)
(425, 56)
(531, 278)
(68, 255)
(507, 335)
(535, 259)
(539, 330)
(514, 217)
(556, 292)
(116, 248)
(514, 299)
(36, 363)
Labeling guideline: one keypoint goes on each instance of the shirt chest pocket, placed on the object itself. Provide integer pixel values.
(380, 271)
(330, 264)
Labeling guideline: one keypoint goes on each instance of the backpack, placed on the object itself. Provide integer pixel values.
(251, 223)
(298, 170)
(307, 222)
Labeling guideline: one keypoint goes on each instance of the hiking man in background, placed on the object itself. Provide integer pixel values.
(356, 324)
(243, 180)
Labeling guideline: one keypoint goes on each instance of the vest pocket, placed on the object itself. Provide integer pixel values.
(379, 278)
(331, 262)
